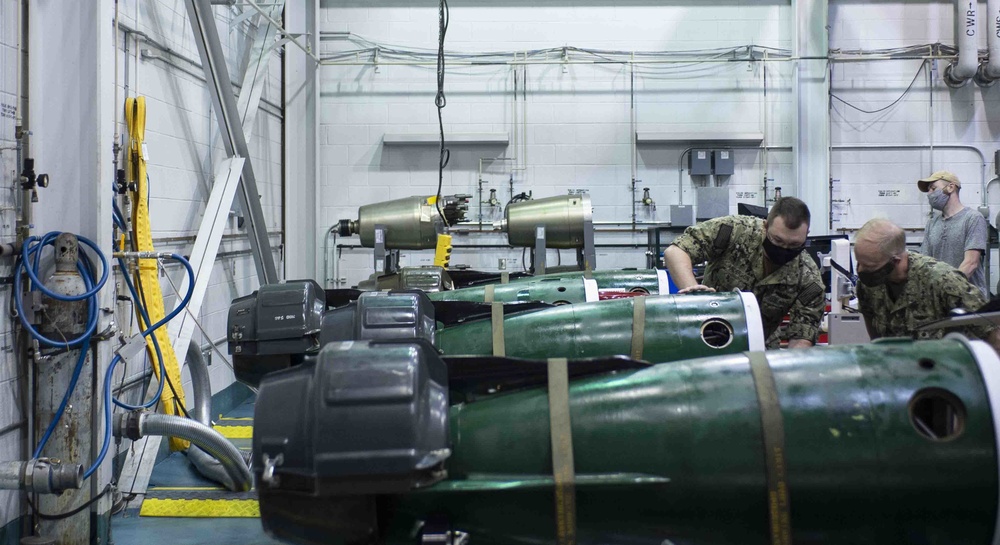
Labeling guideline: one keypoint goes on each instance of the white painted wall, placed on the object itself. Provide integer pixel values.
(184, 149)
(577, 133)
(576, 124)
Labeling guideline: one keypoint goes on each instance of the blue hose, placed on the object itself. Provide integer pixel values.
(32, 249)
(29, 263)
(108, 398)
(141, 308)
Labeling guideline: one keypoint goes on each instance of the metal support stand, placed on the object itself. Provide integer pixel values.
(386, 261)
(538, 254)
(381, 262)
(589, 250)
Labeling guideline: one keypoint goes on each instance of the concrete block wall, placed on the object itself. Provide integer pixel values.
(573, 122)
(184, 149)
(942, 128)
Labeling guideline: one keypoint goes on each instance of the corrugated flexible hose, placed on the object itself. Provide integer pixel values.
(207, 439)
(205, 463)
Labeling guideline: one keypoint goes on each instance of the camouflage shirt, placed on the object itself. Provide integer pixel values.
(932, 289)
(733, 248)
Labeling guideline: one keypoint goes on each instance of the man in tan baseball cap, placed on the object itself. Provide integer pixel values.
(958, 234)
(943, 175)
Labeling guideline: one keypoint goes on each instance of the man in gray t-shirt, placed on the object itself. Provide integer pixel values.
(956, 235)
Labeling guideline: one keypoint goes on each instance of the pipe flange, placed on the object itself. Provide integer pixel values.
(129, 425)
(982, 78)
(46, 476)
(950, 79)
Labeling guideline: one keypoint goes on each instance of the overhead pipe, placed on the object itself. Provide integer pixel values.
(959, 72)
(989, 69)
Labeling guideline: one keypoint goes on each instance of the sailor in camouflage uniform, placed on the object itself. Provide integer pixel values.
(900, 291)
(761, 256)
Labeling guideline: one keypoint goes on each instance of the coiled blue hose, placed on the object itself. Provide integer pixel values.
(29, 263)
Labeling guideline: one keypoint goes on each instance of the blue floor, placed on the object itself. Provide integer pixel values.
(128, 528)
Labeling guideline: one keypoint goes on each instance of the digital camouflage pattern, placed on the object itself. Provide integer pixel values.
(733, 248)
(932, 290)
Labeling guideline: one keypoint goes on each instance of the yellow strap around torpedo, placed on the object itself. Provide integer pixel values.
(135, 116)
(563, 467)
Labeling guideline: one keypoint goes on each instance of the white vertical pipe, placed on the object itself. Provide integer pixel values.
(812, 112)
(303, 206)
(959, 73)
(989, 70)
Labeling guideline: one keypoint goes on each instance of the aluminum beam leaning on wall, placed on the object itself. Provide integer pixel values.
(233, 136)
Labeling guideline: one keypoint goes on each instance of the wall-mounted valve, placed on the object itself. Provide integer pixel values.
(493, 200)
(30, 182)
(647, 200)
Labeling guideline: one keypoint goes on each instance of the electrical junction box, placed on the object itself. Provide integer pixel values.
(681, 215)
(712, 202)
(722, 162)
(700, 162)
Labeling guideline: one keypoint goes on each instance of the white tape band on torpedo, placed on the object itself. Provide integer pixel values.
(590, 290)
(755, 324)
(989, 367)
(663, 281)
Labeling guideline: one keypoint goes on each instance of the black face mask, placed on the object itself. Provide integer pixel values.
(878, 277)
(778, 255)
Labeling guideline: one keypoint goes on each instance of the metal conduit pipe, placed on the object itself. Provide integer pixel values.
(986, 189)
(959, 72)
(328, 281)
(136, 425)
(982, 156)
(989, 69)
(680, 165)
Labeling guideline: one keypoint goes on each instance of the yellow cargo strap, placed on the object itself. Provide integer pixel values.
(638, 327)
(773, 427)
(563, 470)
(496, 316)
(442, 253)
(135, 117)
(488, 293)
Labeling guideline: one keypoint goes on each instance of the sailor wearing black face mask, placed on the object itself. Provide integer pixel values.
(761, 256)
(900, 291)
